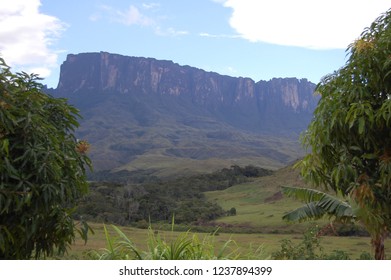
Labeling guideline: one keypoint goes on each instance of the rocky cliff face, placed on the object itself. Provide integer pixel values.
(123, 99)
(262, 105)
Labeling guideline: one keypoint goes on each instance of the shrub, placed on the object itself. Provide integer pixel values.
(309, 249)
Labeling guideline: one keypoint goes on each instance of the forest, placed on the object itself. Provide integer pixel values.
(136, 198)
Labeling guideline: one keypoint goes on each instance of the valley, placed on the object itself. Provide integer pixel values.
(176, 143)
(255, 231)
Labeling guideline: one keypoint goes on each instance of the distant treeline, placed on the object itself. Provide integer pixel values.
(138, 198)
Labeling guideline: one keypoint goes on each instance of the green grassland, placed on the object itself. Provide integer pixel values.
(259, 204)
(245, 245)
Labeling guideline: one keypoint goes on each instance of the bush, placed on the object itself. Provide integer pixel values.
(232, 212)
(309, 249)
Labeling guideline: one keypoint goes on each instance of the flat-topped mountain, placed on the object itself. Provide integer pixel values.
(139, 109)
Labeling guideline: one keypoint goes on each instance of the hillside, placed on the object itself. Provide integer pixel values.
(260, 204)
(143, 113)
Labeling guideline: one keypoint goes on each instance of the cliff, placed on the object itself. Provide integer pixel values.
(140, 93)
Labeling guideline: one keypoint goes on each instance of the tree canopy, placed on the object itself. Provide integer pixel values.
(42, 168)
(350, 134)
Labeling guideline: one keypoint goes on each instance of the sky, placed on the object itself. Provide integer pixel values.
(258, 39)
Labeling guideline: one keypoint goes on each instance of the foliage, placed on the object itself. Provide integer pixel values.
(117, 248)
(42, 169)
(317, 205)
(309, 248)
(232, 212)
(135, 197)
(350, 135)
(185, 246)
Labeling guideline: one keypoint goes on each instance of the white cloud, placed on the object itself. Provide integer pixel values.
(304, 23)
(172, 32)
(208, 35)
(129, 16)
(134, 16)
(150, 5)
(26, 36)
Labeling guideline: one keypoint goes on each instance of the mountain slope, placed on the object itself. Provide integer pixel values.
(260, 203)
(137, 109)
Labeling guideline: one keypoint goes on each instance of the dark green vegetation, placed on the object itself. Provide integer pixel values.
(138, 198)
(350, 135)
(42, 169)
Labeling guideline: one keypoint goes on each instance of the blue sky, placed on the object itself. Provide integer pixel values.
(249, 38)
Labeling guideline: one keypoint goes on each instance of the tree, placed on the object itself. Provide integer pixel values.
(42, 169)
(350, 134)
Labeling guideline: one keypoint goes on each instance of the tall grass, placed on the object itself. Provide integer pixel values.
(183, 246)
(117, 248)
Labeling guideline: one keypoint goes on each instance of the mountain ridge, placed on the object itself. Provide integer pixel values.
(135, 107)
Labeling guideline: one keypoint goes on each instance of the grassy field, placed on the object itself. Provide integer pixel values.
(244, 244)
(260, 204)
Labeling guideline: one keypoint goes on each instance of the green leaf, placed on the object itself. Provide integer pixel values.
(310, 211)
(369, 156)
(304, 194)
(5, 146)
(318, 204)
(361, 125)
(355, 148)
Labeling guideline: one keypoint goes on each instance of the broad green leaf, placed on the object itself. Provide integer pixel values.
(318, 204)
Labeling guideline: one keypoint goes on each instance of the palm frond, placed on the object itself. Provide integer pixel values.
(304, 194)
(309, 211)
(318, 204)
